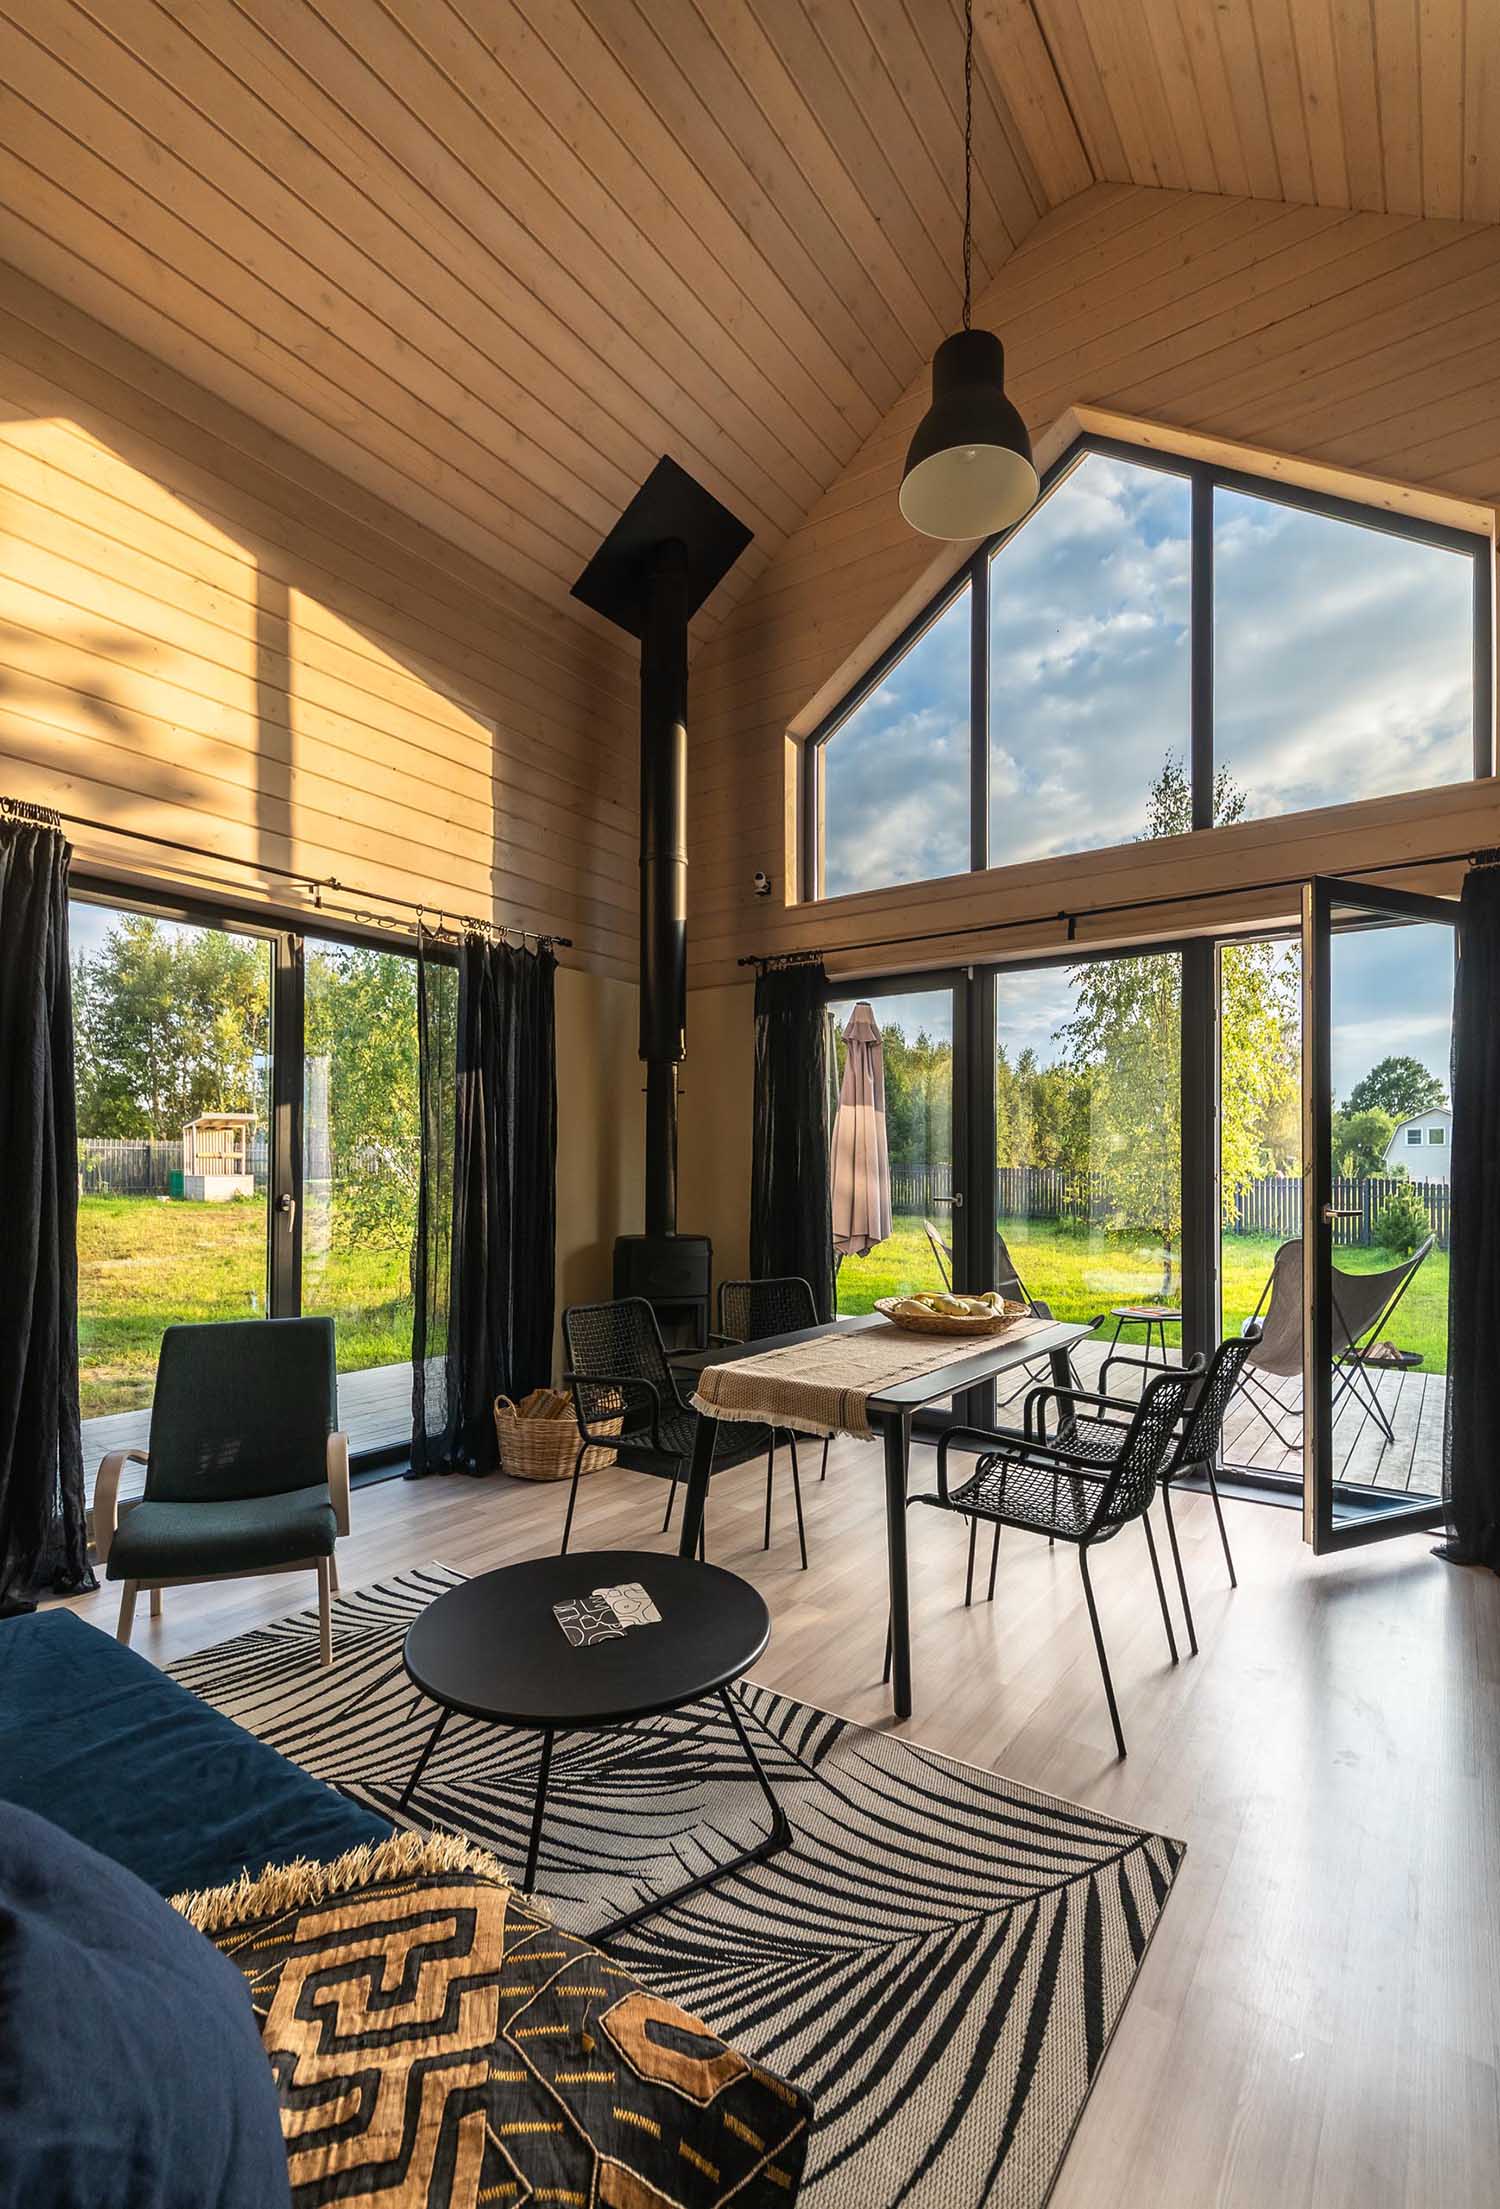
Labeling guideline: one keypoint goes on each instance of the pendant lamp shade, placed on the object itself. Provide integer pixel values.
(968, 469)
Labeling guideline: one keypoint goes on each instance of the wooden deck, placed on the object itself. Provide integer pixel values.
(374, 1411)
(1413, 1401)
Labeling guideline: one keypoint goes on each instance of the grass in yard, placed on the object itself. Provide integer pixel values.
(1081, 1275)
(145, 1262)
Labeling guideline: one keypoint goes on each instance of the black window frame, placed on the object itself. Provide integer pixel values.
(1204, 479)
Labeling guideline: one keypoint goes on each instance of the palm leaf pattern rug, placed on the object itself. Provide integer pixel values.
(939, 1958)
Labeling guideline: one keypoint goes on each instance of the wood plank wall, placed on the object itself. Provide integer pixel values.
(1363, 342)
(206, 634)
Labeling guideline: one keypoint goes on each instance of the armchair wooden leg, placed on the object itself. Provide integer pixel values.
(156, 1602)
(128, 1594)
(333, 1572)
(325, 1610)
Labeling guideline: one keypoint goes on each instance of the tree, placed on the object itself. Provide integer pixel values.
(362, 1115)
(1125, 1036)
(1360, 1142)
(170, 1022)
(1400, 1086)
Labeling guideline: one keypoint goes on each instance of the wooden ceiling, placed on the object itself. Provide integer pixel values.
(487, 259)
(1387, 105)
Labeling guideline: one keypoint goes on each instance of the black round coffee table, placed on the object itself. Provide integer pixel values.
(492, 1648)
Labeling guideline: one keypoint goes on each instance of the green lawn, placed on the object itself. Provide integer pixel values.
(1079, 1275)
(144, 1262)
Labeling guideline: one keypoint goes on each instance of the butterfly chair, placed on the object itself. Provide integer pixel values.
(244, 1474)
(751, 1311)
(1008, 1282)
(1362, 1307)
(628, 1400)
(1082, 1490)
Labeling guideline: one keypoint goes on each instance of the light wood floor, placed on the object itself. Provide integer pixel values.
(1316, 2022)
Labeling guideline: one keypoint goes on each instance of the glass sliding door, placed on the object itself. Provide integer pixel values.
(919, 1046)
(1088, 1140)
(172, 1022)
(1378, 1014)
(361, 1149)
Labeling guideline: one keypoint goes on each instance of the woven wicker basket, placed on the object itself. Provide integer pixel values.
(544, 1449)
(949, 1323)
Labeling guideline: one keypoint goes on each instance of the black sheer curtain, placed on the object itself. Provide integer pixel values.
(791, 1215)
(1472, 1439)
(484, 1272)
(43, 1529)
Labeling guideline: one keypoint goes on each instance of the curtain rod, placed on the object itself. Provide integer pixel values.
(1489, 857)
(45, 816)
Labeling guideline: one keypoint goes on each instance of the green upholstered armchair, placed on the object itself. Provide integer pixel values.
(245, 1473)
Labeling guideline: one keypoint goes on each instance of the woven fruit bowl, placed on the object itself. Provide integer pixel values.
(900, 1312)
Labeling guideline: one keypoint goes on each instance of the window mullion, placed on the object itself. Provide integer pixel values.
(1201, 724)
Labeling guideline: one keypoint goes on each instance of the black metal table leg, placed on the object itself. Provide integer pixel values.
(697, 1485)
(776, 1839)
(529, 1882)
(896, 1434)
(432, 1741)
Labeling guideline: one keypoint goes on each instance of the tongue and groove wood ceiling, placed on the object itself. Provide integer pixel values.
(488, 260)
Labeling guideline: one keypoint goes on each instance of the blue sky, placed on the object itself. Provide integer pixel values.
(1342, 669)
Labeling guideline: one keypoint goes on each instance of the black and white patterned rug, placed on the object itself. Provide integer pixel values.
(939, 1958)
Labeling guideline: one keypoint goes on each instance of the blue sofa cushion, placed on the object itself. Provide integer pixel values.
(132, 2075)
(93, 1737)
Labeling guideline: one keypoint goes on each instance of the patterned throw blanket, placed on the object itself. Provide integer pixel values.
(824, 1387)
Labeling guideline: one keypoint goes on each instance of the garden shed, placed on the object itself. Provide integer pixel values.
(216, 1162)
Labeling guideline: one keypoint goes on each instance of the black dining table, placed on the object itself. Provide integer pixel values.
(891, 1414)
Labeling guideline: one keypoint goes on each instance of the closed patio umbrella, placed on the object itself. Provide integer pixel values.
(861, 1163)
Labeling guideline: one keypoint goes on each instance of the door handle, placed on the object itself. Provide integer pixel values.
(956, 1200)
(287, 1206)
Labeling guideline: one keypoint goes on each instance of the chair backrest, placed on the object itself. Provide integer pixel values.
(1007, 1280)
(751, 1310)
(1361, 1301)
(1205, 1422)
(1150, 1441)
(243, 1407)
(1279, 1315)
(940, 1251)
(622, 1338)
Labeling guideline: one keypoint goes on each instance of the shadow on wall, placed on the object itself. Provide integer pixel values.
(600, 1131)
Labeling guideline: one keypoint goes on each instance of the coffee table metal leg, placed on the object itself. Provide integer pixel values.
(432, 1741)
(529, 1882)
(778, 1838)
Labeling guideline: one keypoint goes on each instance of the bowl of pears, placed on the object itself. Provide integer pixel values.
(949, 1313)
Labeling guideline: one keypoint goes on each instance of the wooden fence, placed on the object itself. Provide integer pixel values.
(1270, 1206)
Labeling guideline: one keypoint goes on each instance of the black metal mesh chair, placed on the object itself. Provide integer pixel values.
(750, 1311)
(1089, 1417)
(1082, 1490)
(618, 1370)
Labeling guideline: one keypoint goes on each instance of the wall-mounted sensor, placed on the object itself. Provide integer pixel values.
(762, 883)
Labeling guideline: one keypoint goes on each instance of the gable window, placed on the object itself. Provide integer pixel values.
(1414, 1138)
(895, 768)
(1437, 1135)
(1160, 646)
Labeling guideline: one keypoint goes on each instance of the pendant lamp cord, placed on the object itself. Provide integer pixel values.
(968, 156)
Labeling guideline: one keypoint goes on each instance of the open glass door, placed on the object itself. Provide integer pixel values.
(1377, 972)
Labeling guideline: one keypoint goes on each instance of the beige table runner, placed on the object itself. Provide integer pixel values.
(824, 1387)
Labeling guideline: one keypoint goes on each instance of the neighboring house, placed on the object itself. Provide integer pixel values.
(1421, 1144)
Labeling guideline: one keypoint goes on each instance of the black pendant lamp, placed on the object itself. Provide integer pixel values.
(968, 470)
